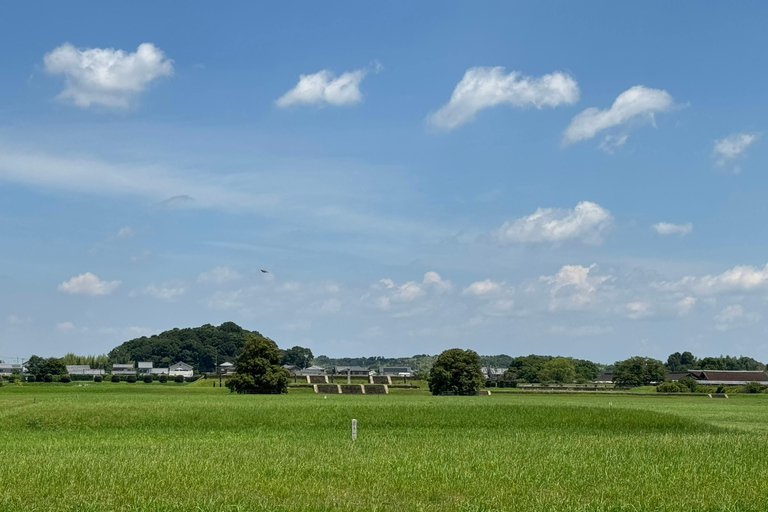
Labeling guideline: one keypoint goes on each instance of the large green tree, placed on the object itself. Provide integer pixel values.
(526, 368)
(560, 370)
(638, 371)
(457, 372)
(40, 367)
(258, 368)
(299, 356)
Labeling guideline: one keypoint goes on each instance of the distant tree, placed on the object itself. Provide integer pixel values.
(638, 371)
(258, 368)
(40, 367)
(585, 370)
(456, 371)
(299, 356)
(526, 368)
(559, 369)
(678, 362)
(688, 382)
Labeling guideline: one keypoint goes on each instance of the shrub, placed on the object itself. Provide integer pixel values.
(65, 379)
(753, 387)
(163, 378)
(672, 387)
(115, 378)
(98, 378)
(688, 382)
(148, 379)
(193, 378)
(1, 381)
(48, 377)
(720, 389)
(31, 378)
(131, 379)
(490, 383)
(179, 378)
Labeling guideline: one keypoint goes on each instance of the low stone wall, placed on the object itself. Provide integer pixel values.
(485, 392)
(328, 389)
(380, 379)
(317, 379)
(376, 389)
(352, 389)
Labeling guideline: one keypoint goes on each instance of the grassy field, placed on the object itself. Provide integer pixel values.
(181, 447)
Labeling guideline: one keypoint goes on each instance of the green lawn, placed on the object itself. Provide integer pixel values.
(181, 447)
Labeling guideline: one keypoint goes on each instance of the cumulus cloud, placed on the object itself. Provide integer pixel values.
(587, 222)
(733, 315)
(125, 232)
(637, 104)
(485, 87)
(638, 309)
(731, 148)
(741, 278)
(433, 279)
(167, 292)
(411, 290)
(105, 76)
(685, 305)
(667, 228)
(479, 288)
(219, 275)
(88, 284)
(325, 88)
(573, 287)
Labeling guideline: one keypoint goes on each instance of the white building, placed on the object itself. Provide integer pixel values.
(182, 369)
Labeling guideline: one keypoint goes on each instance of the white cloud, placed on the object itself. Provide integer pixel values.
(637, 104)
(125, 232)
(168, 292)
(434, 279)
(733, 316)
(330, 306)
(482, 288)
(485, 87)
(685, 305)
(582, 331)
(730, 313)
(587, 222)
(219, 275)
(638, 309)
(105, 76)
(738, 279)
(88, 284)
(667, 228)
(573, 287)
(65, 326)
(410, 290)
(18, 320)
(324, 88)
(612, 143)
(728, 149)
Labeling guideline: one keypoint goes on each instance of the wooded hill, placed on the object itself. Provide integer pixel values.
(202, 347)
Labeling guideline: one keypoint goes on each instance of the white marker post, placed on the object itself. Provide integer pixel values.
(354, 429)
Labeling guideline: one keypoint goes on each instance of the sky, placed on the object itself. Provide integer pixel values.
(581, 179)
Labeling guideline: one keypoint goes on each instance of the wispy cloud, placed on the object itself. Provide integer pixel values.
(667, 228)
(486, 87)
(325, 88)
(88, 284)
(728, 150)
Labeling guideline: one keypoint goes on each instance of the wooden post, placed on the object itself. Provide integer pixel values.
(354, 429)
(349, 376)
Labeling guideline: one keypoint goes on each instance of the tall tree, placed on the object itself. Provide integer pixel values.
(299, 356)
(638, 371)
(457, 372)
(559, 369)
(258, 368)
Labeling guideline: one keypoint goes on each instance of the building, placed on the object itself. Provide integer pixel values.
(123, 369)
(180, 368)
(351, 370)
(159, 371)
(9, 368)
(493, 373)
(313, 370)
(605, 378)
(145, 367)
(292, 369)
(227, 368)
(83, 369)
(400, 371)
(728, 377)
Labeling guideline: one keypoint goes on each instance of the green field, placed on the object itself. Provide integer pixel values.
(183, 447)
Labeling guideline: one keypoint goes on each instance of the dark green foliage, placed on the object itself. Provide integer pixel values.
(31, 378)
(40, 367)
(179, 379)
(456, 372)
(258, 368)
(148, 379)
(299, 356)
(526, 368)
(65, 378)
(672, 387)
(585, 370)
(98, 378)
(100, 362)
(753, 387)
(115, 378)
(48, 377)
(163, 378)
(200, 347)
(688, 382)
(678, 362)
(638, 371)
(131, 379)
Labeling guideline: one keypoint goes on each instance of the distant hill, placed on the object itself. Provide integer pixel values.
(200, 346)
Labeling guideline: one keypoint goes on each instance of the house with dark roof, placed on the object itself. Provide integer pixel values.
(145, 367)
(292, 369)
(8, 368)
(227, 368)
(313, 370)
(728, 377)
(401, 371)
(83, 369)
(604, 378)
(123, 369)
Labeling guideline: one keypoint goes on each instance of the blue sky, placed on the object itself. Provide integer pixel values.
(548, 177)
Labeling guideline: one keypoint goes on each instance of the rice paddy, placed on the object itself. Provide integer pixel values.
(183, 447)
